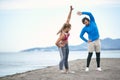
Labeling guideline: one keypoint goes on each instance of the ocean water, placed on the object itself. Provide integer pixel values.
(12, 63)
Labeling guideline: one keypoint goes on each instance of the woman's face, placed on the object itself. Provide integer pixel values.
(67, 30)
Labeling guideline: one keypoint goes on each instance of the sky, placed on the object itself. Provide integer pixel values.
(27, 24)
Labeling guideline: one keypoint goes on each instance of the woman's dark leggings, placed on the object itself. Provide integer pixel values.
(97, 58)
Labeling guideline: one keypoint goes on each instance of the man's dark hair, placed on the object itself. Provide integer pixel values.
(85, 18)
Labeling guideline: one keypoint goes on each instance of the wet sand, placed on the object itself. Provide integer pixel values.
(110, 71)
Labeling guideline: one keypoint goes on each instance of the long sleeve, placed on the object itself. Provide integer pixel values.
(90, 15)
(82, 35)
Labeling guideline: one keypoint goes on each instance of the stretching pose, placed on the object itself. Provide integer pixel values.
(62, 43)
(93, 38)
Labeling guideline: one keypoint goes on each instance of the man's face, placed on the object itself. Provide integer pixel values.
(86, 22)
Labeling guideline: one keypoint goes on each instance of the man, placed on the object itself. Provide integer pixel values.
(93, 38)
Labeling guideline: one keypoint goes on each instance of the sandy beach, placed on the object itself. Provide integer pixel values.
(110, 71)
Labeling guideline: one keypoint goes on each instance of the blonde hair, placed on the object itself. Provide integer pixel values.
(64, 27)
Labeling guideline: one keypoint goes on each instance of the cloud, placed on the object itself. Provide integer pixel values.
(88, 3)
(30, 4)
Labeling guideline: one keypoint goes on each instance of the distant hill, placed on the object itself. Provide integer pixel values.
(106, 44)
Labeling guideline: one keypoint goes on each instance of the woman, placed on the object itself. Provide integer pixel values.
(62, 43)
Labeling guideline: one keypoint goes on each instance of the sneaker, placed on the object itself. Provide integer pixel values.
(71, 72)
(99, 69)
(62, 71)
(87, 69)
